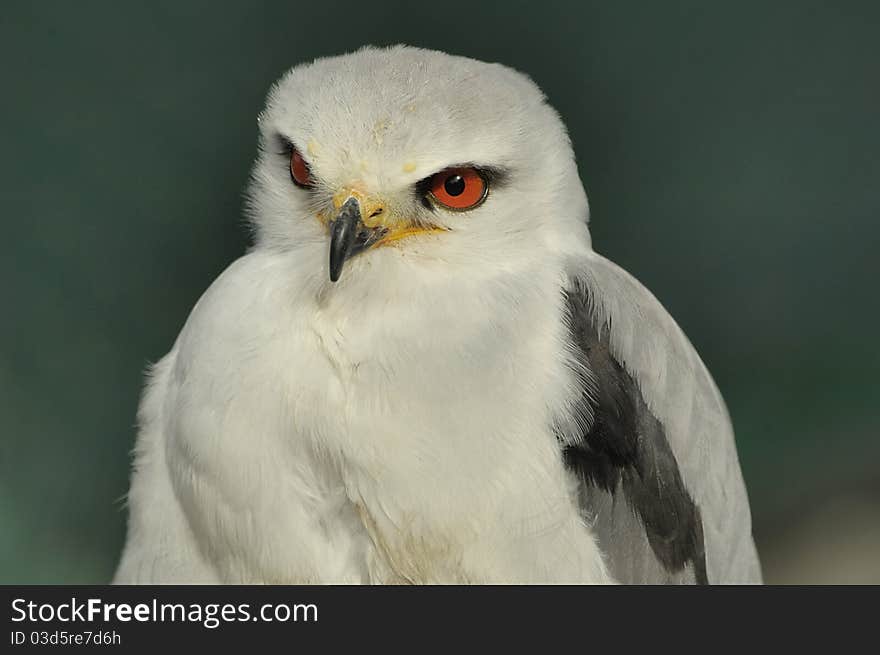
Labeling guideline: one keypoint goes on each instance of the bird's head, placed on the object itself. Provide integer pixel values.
(403, 157)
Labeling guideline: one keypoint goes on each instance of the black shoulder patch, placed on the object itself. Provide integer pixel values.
(626, 450)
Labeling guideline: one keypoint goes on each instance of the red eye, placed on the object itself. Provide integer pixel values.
(299, 170)
(459, 188)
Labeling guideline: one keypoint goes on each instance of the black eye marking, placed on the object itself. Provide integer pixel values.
(422, 190)
(283, 145)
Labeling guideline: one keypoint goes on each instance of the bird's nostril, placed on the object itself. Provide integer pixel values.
(377, 212)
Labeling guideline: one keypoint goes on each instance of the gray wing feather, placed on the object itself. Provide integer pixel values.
(678, 390)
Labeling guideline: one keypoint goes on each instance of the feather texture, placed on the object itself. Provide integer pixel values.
(402, 425)
(668, 488)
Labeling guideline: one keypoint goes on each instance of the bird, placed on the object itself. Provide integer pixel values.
(421, 372)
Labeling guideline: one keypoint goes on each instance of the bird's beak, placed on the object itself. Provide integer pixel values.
(351, 232)
(343, 235)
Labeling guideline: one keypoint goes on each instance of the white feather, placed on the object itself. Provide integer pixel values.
(396, 426)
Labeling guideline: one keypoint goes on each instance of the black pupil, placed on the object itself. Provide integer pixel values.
(454, 185)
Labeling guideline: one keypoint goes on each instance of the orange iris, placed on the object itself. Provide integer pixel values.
(459, 188)
(299, 169)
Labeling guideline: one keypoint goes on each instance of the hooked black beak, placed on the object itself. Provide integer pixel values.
(349, 236)
(343, 233)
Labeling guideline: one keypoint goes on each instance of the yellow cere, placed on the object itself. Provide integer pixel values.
(344, 194)
(398, 228)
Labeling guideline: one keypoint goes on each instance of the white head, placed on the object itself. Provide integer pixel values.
(378, 137)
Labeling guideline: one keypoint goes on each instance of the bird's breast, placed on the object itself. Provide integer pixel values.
(405, 410)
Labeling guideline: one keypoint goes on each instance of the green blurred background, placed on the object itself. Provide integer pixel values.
(731, 152)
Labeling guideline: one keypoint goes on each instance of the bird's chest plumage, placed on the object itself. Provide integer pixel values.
(382, 432)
